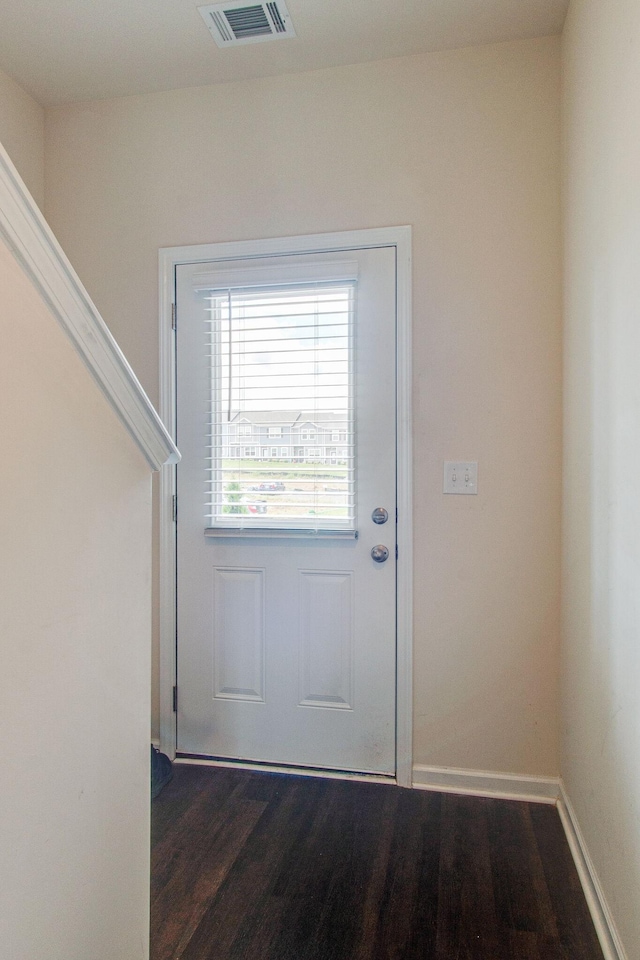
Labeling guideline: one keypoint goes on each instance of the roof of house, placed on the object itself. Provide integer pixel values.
(276, 417)
(266, 416)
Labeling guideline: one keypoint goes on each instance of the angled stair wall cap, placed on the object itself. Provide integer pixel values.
(34, 246)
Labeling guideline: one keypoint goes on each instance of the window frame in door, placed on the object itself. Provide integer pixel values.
(169, 259)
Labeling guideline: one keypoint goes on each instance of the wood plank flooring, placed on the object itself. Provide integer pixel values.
(258, 866)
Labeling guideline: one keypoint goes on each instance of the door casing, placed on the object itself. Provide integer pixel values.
(169, 258)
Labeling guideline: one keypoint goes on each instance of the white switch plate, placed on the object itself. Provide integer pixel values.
(460, 476)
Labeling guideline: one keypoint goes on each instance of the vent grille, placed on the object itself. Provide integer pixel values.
(276, 16)
(238, 22)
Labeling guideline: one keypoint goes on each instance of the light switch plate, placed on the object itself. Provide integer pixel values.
(460, 476)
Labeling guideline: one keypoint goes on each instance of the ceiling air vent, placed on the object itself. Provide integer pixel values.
(239, 22)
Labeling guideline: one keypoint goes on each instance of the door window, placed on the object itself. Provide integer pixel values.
(282, 359)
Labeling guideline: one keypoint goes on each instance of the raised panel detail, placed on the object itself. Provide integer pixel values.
(326, 639)
(238, 633)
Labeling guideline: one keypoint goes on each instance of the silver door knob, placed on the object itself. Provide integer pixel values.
(379, 515)
(380, 553)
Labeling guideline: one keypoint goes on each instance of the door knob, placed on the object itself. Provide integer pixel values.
(380, 553)
(379, 515)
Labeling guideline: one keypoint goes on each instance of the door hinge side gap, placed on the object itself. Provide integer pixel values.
(175, 699)
(174, 507)
(173, 316)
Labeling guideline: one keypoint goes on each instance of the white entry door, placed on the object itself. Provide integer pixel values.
(286, 576)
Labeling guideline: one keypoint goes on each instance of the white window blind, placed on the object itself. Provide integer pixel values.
(282, 361)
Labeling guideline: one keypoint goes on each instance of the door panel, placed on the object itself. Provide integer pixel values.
(238, 633)
(286, 625)
(326, 640)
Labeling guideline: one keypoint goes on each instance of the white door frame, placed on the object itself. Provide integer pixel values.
(169, 258)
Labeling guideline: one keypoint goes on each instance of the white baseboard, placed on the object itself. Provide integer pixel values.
(483, 783)
(608, 936)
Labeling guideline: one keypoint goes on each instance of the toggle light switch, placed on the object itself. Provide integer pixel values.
(460, 476)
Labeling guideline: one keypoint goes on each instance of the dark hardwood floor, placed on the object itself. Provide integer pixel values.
(258, 866)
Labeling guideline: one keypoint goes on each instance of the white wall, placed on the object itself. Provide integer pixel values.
(601, 571)
(464, 145)
(22, 134)
(75, 529)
